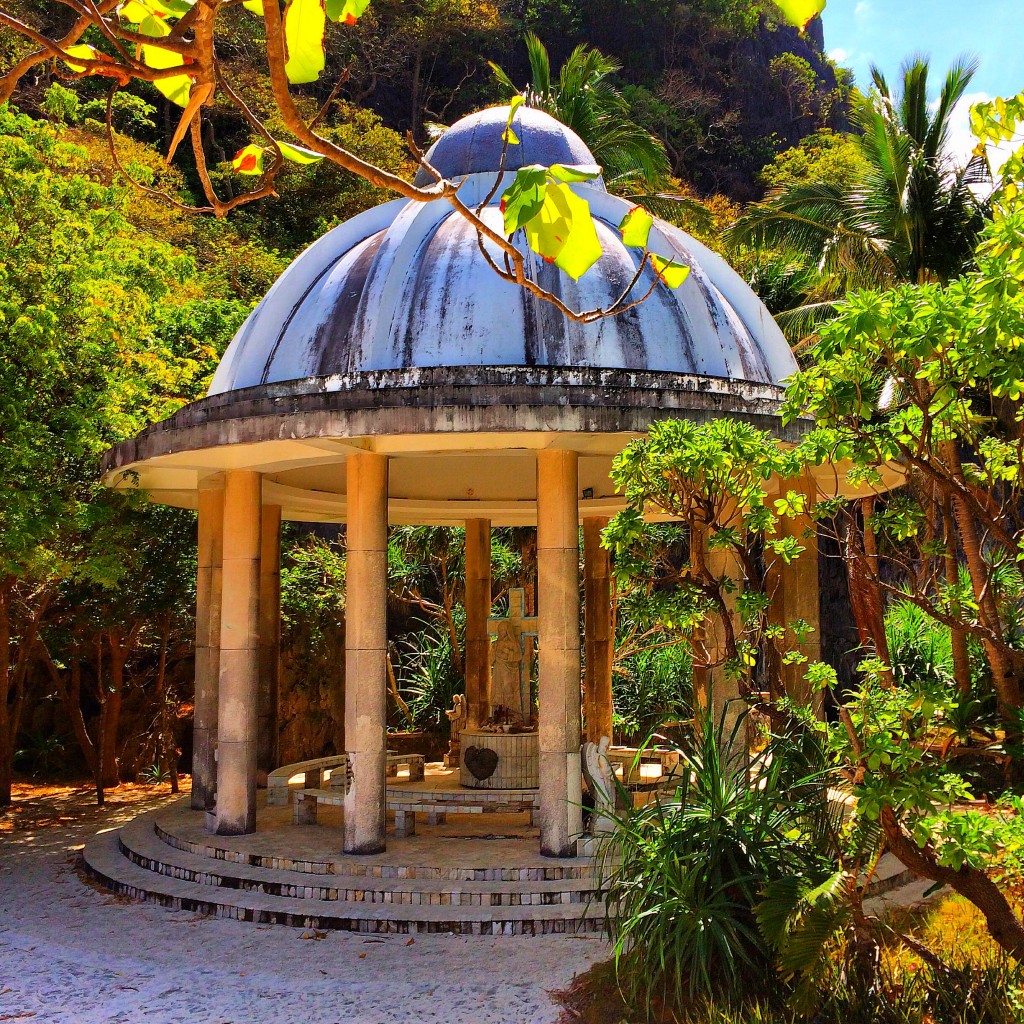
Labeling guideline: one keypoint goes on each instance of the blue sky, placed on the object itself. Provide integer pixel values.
(859, 33)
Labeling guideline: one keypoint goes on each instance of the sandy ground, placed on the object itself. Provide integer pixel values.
(72, 953)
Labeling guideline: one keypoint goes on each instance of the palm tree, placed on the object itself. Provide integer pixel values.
(585, 99)
(910, 217)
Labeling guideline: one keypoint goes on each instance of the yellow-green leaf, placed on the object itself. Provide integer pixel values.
(177, 88)
(298, 154)
(346, 11)
(800, 12)
(636, 227)
(563, 232)
(136, 11)
(574, 172)
(508, 135)
(256, 6)
(305, 23)
(671, 272)
(249, 160)
(154, 26)
(84, 51)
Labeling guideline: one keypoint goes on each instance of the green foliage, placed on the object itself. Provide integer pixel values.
(692, 869)
(652, 686)
(903, 212)
(823, 156)
(79, 292)
(585, 98)
(427, 676)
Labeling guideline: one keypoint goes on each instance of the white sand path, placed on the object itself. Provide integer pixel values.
(70, 953)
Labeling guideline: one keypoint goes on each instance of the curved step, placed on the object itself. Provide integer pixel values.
(139, 843)
(104, 860)
(224, 850)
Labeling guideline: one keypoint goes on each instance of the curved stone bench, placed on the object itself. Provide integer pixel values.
(314, 771)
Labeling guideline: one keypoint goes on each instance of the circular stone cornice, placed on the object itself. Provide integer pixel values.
(445, 400)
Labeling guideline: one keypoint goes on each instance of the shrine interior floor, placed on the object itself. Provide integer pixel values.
(72, 952)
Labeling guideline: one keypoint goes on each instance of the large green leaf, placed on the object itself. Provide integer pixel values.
(523, 199)
(800, 12)
(305, 23)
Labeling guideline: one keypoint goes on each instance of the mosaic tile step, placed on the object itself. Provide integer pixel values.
(486, 848)
(139, 844)
(104, 859)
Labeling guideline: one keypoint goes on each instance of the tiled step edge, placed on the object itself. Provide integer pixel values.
(139, 845)
(551, 873)
(104, 861)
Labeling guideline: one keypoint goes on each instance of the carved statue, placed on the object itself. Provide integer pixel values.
(512, 655)
(602, 784)
(458, 718)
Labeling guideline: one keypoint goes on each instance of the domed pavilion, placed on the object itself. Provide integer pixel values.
(391, 377)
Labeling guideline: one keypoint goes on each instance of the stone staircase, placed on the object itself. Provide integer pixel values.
(153, 860)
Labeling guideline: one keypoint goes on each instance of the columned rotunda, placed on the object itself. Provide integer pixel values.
(390, 377)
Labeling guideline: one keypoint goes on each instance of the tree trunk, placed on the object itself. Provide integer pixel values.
(101, 725)
(974, 885)
(168, 755)
(71, 695)
(958, 637)
(6, 746)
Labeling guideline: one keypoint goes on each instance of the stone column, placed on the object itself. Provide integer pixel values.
(558, 634)
(366, 650)
(207, 657)
(795, 594)
(239, 655)
(478, 608)
(270, 641)
(598, 630)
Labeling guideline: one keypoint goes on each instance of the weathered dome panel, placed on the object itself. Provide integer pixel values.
(405, 286)
(474, 145)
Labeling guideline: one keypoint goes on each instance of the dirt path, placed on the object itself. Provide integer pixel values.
(72, 953)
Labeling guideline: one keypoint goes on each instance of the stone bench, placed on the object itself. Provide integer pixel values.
(278, 781)
(437, 814)
(304, 806)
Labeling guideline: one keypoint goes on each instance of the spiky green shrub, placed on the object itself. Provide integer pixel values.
(687, 871)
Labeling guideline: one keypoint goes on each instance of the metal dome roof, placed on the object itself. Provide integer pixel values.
(404, 286)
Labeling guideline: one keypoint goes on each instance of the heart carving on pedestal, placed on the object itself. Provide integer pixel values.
(481, 761)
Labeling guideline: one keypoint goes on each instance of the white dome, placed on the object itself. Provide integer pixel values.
(404, 286)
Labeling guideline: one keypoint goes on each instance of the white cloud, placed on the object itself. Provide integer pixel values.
(863, 9)
(839, 55)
